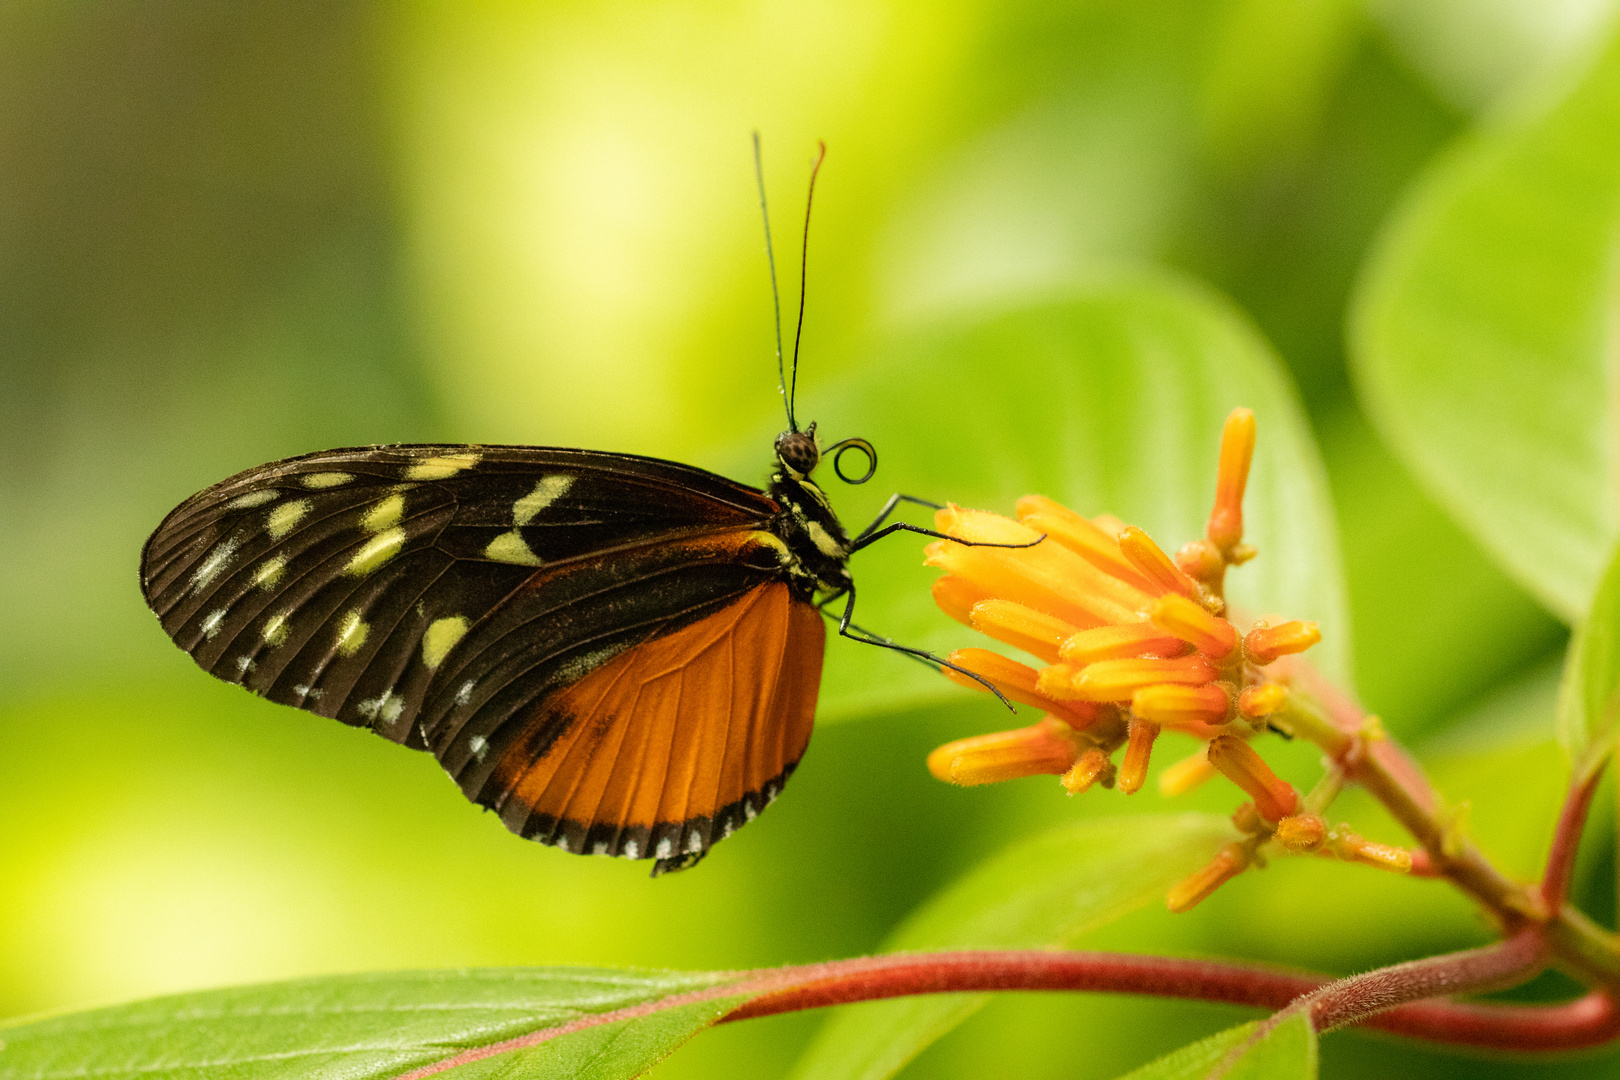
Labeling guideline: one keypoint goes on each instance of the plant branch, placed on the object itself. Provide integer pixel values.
(1567, 841)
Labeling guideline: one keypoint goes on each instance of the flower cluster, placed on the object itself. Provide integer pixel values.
(1131, 643)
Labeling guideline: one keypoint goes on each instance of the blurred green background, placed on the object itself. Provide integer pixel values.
(236, 232)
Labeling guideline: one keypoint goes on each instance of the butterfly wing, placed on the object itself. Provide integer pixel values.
(449, 596)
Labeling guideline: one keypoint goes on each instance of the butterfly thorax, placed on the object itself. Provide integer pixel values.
(817, 548)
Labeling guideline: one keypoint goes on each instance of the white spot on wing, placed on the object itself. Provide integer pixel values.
(694, 842)
(244, 664)
(285, 517)
(438, 468)
(441, 637)
(599, 848)
(318, 480)
(665, 848)
(509, 547)
(562, 843)
(547, 491)
(376, 551)
(215, 564)
(210, 624)
(464, 695)
(310, 693)
(479, 747)
(352, 633)
(386, 707)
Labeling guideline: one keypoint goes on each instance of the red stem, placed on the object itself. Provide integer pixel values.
(1567, 841)
(1588, 1021)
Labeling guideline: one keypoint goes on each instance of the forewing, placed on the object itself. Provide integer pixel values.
(659, 752)
(341, 582)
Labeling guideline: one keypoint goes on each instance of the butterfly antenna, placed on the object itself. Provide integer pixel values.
(804, 263)
(776, 299)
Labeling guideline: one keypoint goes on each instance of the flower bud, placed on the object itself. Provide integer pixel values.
(1272, 795)
(1021, 627)
(1154, 564)
(1265, 643)
(1120, 643)
(1225, 529)
(1186, 775)
(1049, 747)
(1231, 861)
(1201, 560)
(1301, 832)
(1182, 706)
(1091, 766)
(1020, 683)
(1117, 680)
(1263, 700)
(1138, 750)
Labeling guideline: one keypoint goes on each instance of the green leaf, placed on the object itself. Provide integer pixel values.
(1043, 892)
(1109, 399)
(1482, 334)
(1589, 699)
(362, 1026)
(1287, 1052)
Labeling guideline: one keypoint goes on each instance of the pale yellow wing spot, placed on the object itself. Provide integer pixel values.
(252, 499)
(284, 518)
(547, 491)
(275, 630)
(437, 468)
(509, 547)
(319, 480)
(376, 551)
(270, 572)
(385, 515)
(441, 637)
(351, 634)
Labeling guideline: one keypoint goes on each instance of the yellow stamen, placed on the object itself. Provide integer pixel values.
(1091, 766)
(1120, 643)
(1020, 683)
(1225, 529)
(1209, 634)
(1186, 775)
(1265, 643)
(1182, 706)
(1096, 545)
(1228, 864)
(1154, 564)
(1021, 627)
(1133, 768)
(1049, 747)
(1262, 700)
(1272, 795)
(1301, 832)
(1117, 680)
(1045, 576)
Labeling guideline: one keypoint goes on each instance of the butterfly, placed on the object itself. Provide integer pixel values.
(618, 655)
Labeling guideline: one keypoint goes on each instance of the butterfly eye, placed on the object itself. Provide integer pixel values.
(839, 449)
(798, 451)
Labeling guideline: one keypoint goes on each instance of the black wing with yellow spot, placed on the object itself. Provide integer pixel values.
(398, 587)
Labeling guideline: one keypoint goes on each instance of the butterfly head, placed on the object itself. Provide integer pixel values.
(797, 452)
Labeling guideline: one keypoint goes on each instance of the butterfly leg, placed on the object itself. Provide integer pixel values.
(869, 537)
(888, 508)
(846, 628)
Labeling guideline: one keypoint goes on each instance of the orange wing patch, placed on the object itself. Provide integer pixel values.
(670, 746)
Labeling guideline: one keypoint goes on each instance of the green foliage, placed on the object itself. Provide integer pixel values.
(1484, 331)
(364, 1026)
(1286, 1052)
(1040, 893)
(1589, 701)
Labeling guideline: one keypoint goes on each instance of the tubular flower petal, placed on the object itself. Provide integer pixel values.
(1092, 765)
(1186, 775)
(1231, 861)
(1154, 564)
(1263, 700)
(1022, 627)
(1354, 848)
(1209, 634)
(1018, 682)
(1225, 529)
(1133, 770)
(1096, 545)
(1119, 680)
(1049, 747)
(1265, 643)
(1183, 707)
(1272, 795)
(956, 597)
(1120, 643)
